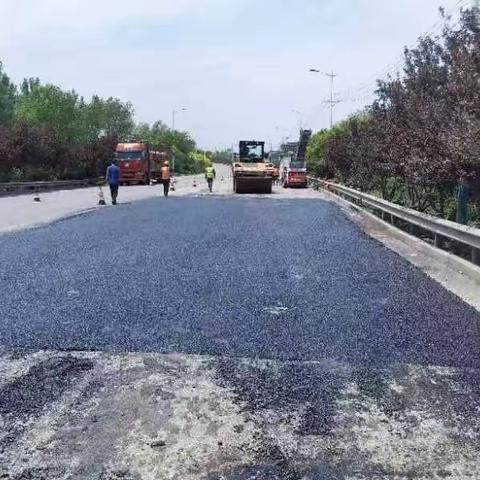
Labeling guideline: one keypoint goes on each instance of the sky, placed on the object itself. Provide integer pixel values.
(240, 68)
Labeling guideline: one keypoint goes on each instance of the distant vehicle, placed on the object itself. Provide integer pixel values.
(251, 173)
(294, 168)
(294, 175)
(138, 164)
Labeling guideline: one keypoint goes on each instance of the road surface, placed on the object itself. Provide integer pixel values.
(222, 337)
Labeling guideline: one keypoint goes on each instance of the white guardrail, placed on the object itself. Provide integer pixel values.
(26, 187)
(469, 236)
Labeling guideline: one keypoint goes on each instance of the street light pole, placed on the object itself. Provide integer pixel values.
(332, 102)
(174, 113)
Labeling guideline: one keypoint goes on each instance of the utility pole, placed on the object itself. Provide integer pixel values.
(332, 102)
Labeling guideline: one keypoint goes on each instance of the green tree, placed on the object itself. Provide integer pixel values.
(317, 161)
(7, 98)
(159, 137)
(48, 106)
(117, 118)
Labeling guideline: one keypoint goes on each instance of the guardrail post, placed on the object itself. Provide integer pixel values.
(438, 240)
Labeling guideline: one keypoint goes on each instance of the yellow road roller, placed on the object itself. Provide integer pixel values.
(251, 172)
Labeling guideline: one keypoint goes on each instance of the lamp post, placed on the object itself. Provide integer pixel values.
(174, 113)
(332, 102)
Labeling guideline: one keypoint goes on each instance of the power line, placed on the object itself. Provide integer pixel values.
(366, 89)
(332, 102)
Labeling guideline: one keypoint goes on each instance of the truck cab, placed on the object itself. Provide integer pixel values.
(134, 163)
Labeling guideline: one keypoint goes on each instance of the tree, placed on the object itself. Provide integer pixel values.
(181, 144)
(48, 106)
(48, 133)
(421, 136)
(317, 161)
(7, 98)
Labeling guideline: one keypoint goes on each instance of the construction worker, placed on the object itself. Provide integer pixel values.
(166, 178)
(112, 177)
(209, 176)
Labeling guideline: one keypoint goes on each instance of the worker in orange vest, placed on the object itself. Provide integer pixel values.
(166, 178)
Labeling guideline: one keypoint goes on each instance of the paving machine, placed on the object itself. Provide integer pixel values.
(251, 172)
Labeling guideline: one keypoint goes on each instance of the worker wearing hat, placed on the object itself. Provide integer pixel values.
(166, 178)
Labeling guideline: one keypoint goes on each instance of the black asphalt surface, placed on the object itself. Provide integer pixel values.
(253, 277)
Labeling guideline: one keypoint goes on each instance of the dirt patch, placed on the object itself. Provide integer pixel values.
(309, 388)
(41, 385)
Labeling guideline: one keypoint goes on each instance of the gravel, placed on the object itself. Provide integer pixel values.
(289, 280)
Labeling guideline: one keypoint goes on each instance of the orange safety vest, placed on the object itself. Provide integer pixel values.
(165, 173)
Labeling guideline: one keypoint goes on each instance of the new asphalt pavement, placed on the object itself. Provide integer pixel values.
(291, 280)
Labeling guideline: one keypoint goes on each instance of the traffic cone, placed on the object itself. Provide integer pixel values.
(101, 197)
(36, 197)
(172, 185)
(195, 183)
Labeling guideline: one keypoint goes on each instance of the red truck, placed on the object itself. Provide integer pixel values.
(294, 169)
(138, 164)
(294, 175)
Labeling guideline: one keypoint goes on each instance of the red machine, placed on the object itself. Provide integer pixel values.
(294, 170)
(295, 175)
(138, 164)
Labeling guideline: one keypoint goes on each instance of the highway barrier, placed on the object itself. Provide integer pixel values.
(17, 188)
(439, 228)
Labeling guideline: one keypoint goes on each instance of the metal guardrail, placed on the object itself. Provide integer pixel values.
(440, 228)
(26, 187)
